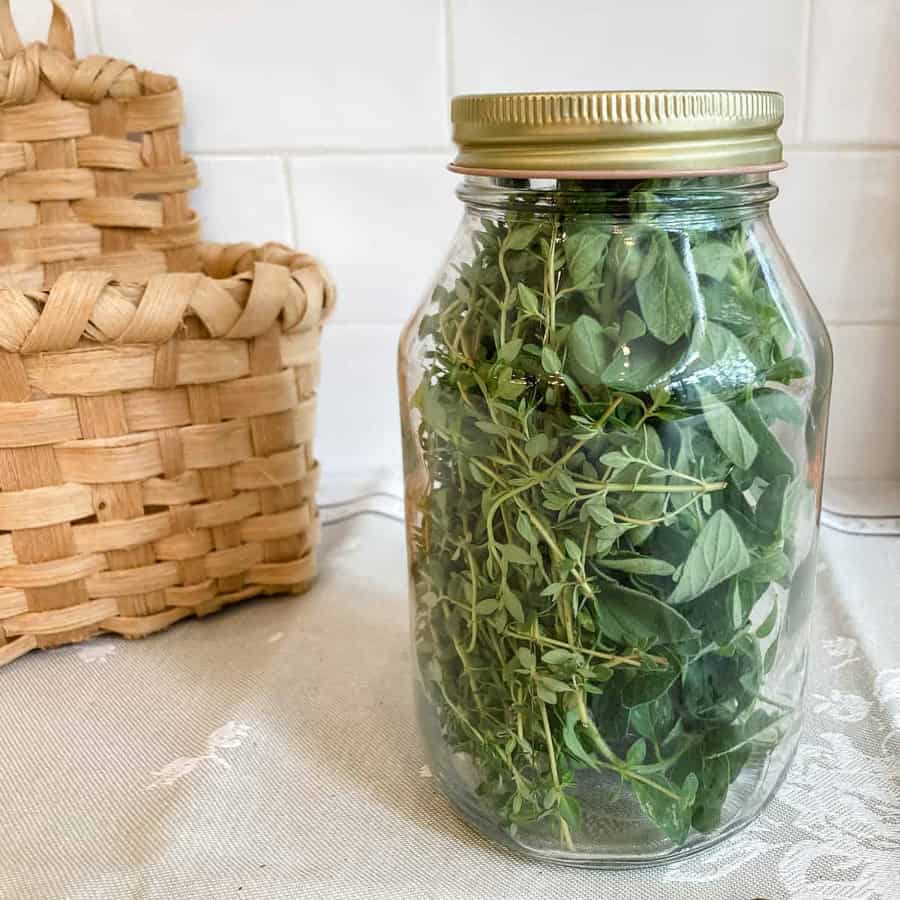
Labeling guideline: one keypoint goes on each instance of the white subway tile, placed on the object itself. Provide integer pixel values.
(32, 18)
(855, 71)
(276, 73)
(508, 45)
(381, 224)
(358, 425)
(864, 436)
(243, 199)
(839, 216)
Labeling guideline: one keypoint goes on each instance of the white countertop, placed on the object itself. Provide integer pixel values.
(270, 752)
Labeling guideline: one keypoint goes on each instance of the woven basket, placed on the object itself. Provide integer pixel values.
(155, 444)
(93, 175)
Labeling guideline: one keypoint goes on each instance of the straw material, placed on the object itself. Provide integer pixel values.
(92, 174)
(156, 444)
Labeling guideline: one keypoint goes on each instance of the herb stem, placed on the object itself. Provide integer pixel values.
(595, 735)
(611, 658)
(507, 291)
(565, 834)
(460, 715)
(474, 623)
(624, 487)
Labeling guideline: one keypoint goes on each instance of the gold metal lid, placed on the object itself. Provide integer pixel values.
(617, 134)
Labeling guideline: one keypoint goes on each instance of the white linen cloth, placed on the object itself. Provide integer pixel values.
(270, 752)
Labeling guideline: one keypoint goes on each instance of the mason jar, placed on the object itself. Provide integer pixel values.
(614, 404)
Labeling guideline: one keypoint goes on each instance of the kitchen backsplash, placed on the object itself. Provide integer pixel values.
(325, 125)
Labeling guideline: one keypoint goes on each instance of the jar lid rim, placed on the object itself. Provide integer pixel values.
(606, 132)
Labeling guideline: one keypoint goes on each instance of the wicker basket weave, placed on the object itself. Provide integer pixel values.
(155, 444)
(93, 175)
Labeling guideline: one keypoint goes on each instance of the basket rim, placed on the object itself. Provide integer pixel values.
(241, 292)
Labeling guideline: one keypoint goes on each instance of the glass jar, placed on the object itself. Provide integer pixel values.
(614, 406)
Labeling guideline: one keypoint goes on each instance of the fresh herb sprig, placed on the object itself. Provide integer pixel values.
(603, 510)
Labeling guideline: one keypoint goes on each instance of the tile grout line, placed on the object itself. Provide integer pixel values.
(292, 213)
(806, 108)
(94, 17)
(838, 147)
(349, 324)
(317, 152)
(449, 86)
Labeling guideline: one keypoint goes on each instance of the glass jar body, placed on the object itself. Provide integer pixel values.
(614, 405)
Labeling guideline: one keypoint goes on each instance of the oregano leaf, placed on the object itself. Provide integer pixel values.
(589, 352)
(713, 258)
(736, 442)
(585, 249)
(664, 293)
(717, 554)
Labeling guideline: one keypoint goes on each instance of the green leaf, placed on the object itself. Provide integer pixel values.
(730, 738)
(646, 364)
(554, 684)
(632, 617)
(736, 442)
(566, 482)
(537, 446)
(777, 404)
(550, 360)
(598, 512)
(711, 792)
(664, 293)
(639, 565)
(632, 327)
(718, 613)
(589, 353)
(585, 250)
(513, 606)
(789, 370)
(433, 412)
(672, 816)
(519, 238)
(507, 388)
(637, 753)
(713, 258)
(615, 459)
(717, 554)
(771, 460)
(516, 555)
(572, 741)
(717, 688)
(770, 506)
(546, 695)
(529, 299)
(645, 686)
(559, 657)
(487, 607)
(653, 719)
(573, 551)
(723, 305)
(768, 624)
(493, 428)
(433, 671)
(523, 526)
(772, 565)
(723, 362)
(510, 350)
